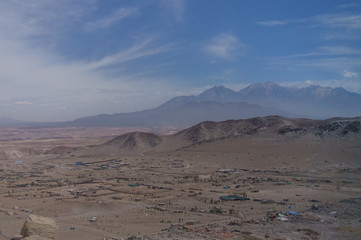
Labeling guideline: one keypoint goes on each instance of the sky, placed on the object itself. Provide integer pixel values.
(61, 60)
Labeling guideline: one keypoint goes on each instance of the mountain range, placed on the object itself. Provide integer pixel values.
(313, 101)
(9, 121)
(180, 114)
(220, 103)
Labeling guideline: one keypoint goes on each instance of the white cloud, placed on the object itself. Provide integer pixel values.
(225, 47)
(115, 17)
(349, 74)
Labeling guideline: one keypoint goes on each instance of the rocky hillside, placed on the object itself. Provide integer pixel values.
(271, 126)
(134, 142)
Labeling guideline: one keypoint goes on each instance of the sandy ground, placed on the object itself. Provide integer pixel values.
(298, 188)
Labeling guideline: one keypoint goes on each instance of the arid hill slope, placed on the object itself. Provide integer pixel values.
(271, 126)
(133, 142)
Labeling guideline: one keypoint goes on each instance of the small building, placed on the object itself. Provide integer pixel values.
(192, 222)
(134, 185)
(233, 198)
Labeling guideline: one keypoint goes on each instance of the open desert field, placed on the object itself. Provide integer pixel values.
(263, 184)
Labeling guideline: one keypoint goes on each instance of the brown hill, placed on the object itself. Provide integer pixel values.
(135, 141)
(271, 126)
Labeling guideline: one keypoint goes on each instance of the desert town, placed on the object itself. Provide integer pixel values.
(293, 187)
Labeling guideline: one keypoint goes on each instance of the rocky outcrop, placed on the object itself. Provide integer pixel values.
(36, 227)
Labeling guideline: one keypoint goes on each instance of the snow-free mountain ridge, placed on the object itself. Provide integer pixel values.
(220, 103)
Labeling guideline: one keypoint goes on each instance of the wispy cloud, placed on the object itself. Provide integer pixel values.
(113, 18)
(345, 21)
(51, 82)
(328, 51)
(349, 74)
(330, 64)
(350, 5)
(225, 47)
(177, 7)
(273, 23)
(135, 52)
(23, 103)
(338, 50)
(349, 22)
(40, 83)
(329, 58)
(25, 19)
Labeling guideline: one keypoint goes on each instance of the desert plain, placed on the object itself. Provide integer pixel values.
(264, 178)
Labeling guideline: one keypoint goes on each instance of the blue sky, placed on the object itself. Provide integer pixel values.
(60, 60)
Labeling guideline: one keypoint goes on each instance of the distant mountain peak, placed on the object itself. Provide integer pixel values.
(267, 85)
(218, 94)
(218, 89)
(262, 89)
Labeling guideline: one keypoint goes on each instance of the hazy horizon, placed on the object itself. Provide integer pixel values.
(64, 60)
(246, 96)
